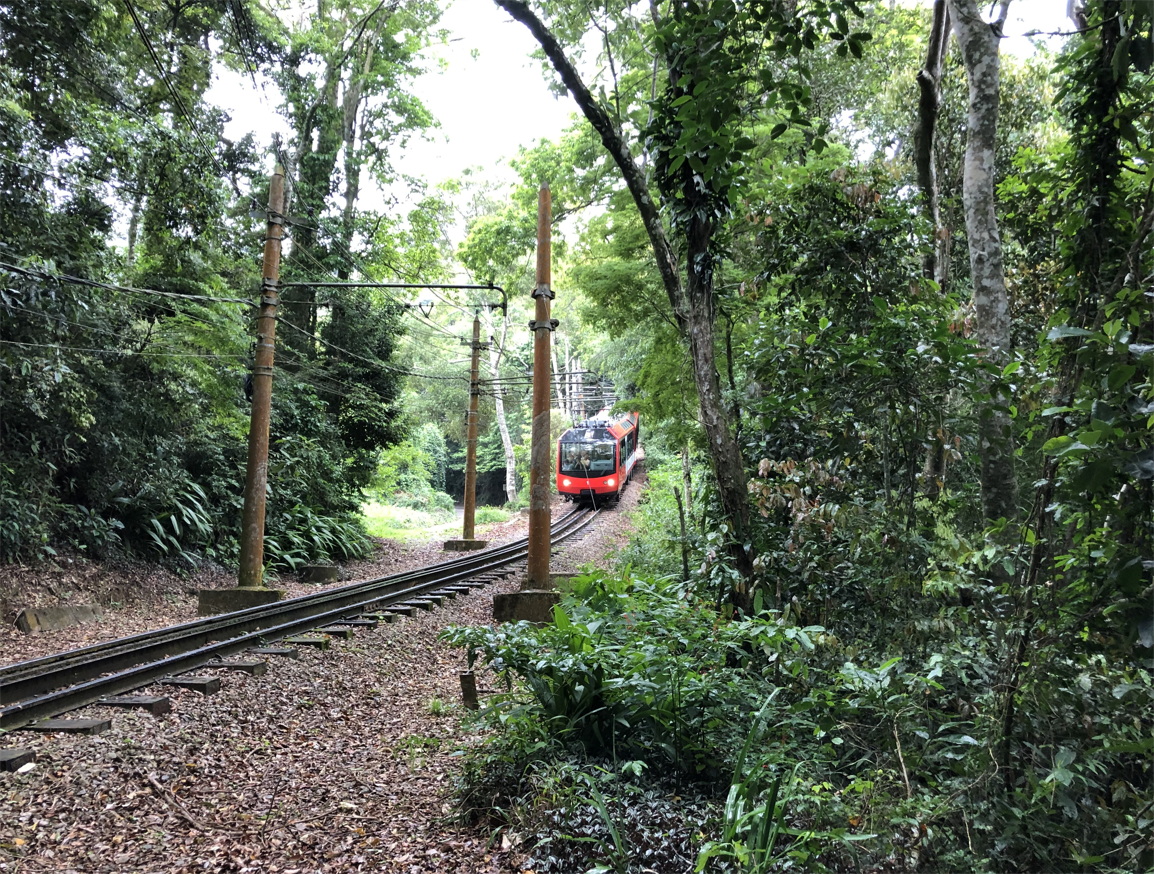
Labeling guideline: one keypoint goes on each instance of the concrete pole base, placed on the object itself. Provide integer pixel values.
(464, 545)
(531, 605)
(214, 601)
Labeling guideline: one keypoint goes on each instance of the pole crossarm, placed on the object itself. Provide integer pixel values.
(489, 286)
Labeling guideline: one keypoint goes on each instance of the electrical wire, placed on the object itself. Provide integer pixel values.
(178, 101)
(112, 286)
(374, 363)
(92, 283)
(60, 320)
(124, 353)
(325, 381)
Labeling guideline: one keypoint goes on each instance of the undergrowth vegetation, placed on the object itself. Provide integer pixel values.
(645, 730)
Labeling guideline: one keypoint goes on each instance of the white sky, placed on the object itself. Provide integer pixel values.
(491, 97)
(491, 104)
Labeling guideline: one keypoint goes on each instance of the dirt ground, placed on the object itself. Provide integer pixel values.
(342, 760)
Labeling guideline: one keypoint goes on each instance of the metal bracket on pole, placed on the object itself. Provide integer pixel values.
(543, 290)
(550, 324)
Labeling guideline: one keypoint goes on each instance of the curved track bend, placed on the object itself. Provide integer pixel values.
(48, 686)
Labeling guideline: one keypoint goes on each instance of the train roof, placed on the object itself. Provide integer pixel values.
(601, 427)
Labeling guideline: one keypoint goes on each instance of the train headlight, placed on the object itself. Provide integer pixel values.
(610, 482)
(566, 482)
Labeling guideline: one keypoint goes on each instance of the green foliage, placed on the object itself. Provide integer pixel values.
(754, 811)
(299, 536)
(631, 667)
(412, 473)
(382, 520)
(489, 515)
(714, 55)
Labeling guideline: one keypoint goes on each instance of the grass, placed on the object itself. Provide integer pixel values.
(402, 523)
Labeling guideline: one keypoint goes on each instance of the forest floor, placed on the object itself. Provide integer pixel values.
(344, 760)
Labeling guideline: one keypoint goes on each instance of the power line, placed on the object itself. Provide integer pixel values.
(92, 283)
(178, 101)
(120, 352)
(375, 363)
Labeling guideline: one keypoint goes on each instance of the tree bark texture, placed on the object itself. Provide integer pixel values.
(978, 40)
(936, 263)
(692, 301)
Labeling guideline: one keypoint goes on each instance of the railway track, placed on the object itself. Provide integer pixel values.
(49, 686)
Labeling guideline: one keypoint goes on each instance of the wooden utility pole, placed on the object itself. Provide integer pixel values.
(256, 478)
(251, 589)
(468, 539)
(471, 433)
(541, 448)
(537, 597)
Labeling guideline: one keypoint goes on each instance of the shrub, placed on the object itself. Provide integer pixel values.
(489, 515)
(634, 667)
(301, 536)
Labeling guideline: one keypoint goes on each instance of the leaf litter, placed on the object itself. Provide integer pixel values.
(338, 761)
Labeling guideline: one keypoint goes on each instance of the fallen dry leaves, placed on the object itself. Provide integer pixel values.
(338, 761)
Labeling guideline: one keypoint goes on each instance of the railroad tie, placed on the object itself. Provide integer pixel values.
(157, 705)
(72, 726)
(282, 651)
(254, 668)
(315, 642)
(14, 760)
(203, 685)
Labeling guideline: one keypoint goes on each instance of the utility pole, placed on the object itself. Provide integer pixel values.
(250, 590)
(536, 599)
(471, 432)
(468, 539)
(541, 448)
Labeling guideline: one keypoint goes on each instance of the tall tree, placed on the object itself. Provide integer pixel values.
(344, 78)
(706, 57)
(979, 40)
(925, 158)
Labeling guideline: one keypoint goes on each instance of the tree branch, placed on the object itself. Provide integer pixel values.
(614, 144)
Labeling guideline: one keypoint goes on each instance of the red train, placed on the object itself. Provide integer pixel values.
(596, 458)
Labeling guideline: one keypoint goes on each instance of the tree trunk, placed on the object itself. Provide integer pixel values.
(134, 225)
(724, 452)
(979, 43)
(936, 263)
(692, 300)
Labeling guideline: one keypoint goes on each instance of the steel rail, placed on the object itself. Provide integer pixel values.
(101, 658)
(56, 684)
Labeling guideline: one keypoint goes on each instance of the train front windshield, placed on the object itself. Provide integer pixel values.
(588, 459)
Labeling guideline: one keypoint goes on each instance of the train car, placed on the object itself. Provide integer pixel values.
(597, 457)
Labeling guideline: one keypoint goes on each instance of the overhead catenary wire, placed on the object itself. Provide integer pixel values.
(127, 289)
(178, 101)
(370, 361)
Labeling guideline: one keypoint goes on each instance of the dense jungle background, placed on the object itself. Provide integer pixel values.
(881, 292)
